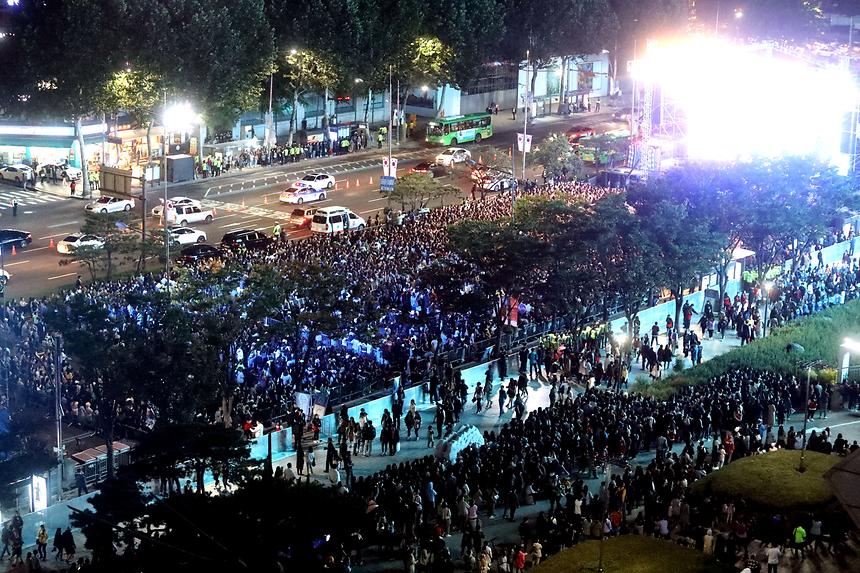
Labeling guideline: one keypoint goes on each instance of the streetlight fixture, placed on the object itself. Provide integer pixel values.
(178, 116)
(739, 13)
(768, 286)
(795, 348)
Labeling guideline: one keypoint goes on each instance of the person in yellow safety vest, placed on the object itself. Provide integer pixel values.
(379, 137)
(276, 231)
(344, 145)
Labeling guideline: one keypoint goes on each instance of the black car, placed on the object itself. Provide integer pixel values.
(432, 169)
(14, 238)
(198, 252)
(247, 238)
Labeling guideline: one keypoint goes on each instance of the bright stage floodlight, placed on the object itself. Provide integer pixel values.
(746, 101)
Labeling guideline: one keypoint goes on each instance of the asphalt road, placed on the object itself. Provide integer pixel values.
(245, 200)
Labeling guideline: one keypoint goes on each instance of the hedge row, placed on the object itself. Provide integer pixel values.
(820, 335)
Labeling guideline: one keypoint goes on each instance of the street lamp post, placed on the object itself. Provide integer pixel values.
(390, 117)
(767, 288)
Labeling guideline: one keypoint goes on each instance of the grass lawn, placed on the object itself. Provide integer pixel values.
(772, 480)
(631, 554)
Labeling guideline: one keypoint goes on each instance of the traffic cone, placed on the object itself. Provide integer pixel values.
(14, 252)
(371, 180)
(347, 183)
(51, 244)
(356, 182)
(480, 159)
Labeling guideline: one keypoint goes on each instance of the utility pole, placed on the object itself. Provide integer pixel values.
(164, 206)
(58, 410)
(526, 106)
(390, 119)
(399, 119)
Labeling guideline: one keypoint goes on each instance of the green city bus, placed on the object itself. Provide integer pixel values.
(460, 129)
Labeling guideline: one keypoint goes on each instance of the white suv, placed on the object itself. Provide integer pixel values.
(184, 214)
(336, 219)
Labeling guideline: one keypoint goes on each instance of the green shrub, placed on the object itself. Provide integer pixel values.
(679, 365)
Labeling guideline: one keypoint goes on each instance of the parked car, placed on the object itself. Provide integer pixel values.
(453, 155)
(246, 238)
(198, 252)
(187, 235)
(75, 241)
(111, 205)
(336, 219)
(176, 202)
(15, 238)
(184, 214)
(302, 216)
(64, 170)
(578, 131)
(16, 172)
(299, 195)
(316, 181)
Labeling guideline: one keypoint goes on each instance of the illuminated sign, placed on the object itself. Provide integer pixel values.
(39, 493)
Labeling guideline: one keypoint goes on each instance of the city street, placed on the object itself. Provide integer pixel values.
(246, 199)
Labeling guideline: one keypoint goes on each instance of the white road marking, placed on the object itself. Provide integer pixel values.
(66, 224)
(377, 199)
(40, 248)
(17, 262)
(52, 236)
(829, 426)
(62, 276)
(372, 210)
(231, 225)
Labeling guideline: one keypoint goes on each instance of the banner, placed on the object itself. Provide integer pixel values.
(385, 166)
(513, 310)
(394, 167)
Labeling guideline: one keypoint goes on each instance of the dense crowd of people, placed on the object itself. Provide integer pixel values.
(590, 432)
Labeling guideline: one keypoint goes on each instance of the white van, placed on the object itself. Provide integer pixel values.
(335, 220)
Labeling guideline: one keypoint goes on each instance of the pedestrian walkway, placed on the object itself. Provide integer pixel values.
(26, 198)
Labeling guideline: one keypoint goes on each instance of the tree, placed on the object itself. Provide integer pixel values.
(119, 243)
(416, 191)
(558, 157)
(791, 203)
(425, 61)
(473, 30)
(300, 301)
(163, 452)
(627, 265)
(303, 71)
(97, 343)
(507, 263)
(797, 21)
(591, 28)
(137, 92)
(61, 81)
(570, 288)
(216, 54)
(677, 221)
(219, 306)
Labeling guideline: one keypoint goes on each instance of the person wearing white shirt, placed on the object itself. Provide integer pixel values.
(290, 473)
(774, 553)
